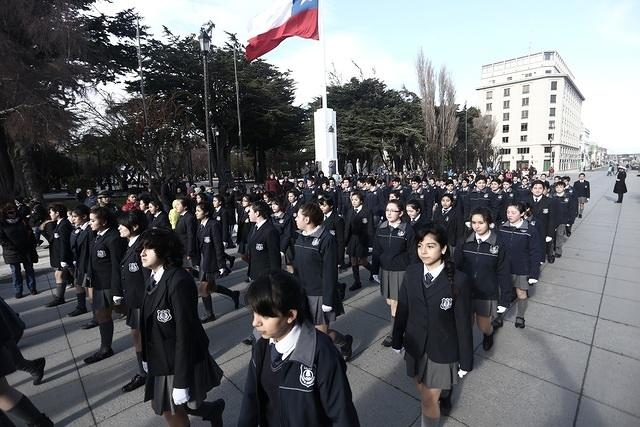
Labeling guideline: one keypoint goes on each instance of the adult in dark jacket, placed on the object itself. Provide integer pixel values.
(159, 218)
(359, 235)
(175, 347)
(18, 248)
(620, 187)
(134, 278)
(296, 377)
(58, 232)
(433, 322)
(80, 242)
(186, 231)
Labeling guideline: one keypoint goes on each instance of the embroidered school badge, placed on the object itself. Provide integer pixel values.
(307, 377)
(494, 249)
(259, 247)
(566, 199)
(164, 315)
(101, 253)
(446, 303)
(545, 211)
(217, 218)
(486, 195)
(281, 221)
(133, 267)
(207, 239)
(56, 236)
(333, 232)
(400, 233)
(315, 242)
(364, 220)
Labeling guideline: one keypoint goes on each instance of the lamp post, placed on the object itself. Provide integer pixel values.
(466, 164)
(551, 153)
(205, 45)
(235, 44)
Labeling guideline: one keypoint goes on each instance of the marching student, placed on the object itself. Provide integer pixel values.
(107, 248)
(282, 222)
(479, 197)
(186, 231)
(210, 260)
(393, 250)
(359, 237)
(433, 322)
(296, 376)
(58, 232)
(523, 246)
(294, 202)
(450, 218)
(316, 266)
(541, 211)
(175, 347)
(582, 190)
(244, 225)
(133, 281)
(335, 224)
(563, 214)
(221, 215)
(414, 213)
(80, 242)
(483, 257)
(159, 218)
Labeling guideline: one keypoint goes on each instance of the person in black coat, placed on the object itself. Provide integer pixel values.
(335, 224)
(296, 376)
(244, 225)
(541, 211)
(186, 231)
(359, 237)
(433, 322)
(58, 232)
(294, 201)
(18, 248)
(222, 215)
(564, 208)
(210, 260)
(450, 218)
(263, 243)
(620, 187)
(133, 277)
(415, 215)
(175, 347)
(582, 190)
(80, 242)
(107, 249)
(159, 218)
(283, 223)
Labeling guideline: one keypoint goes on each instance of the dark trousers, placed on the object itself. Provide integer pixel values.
(620, 195)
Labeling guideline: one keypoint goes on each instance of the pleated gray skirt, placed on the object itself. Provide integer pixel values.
(430, 373)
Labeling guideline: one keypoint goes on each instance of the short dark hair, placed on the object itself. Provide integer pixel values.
(156, 203)
(166, 244)
(131, 219)
(560, 183)
(484, 213)
(105, 215)
(262, 208)
(81, 211)
(313, 211)
(276, 293)
(415, 205)
(58, 208)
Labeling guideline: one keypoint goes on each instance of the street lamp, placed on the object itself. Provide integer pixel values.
(205, 45)
(551, 153)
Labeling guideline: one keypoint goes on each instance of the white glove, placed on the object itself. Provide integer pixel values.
(462, 373)
(370, 250)
(376, 278)
(145, 366)
(501, 309)
(398, 351)
(196, 267)
(281, 253)
(221, 271)
(63, 264)
(180, 395)
(468, 224)
(225, 244)
(587, 200)
(326, 308)
(548, 239)
(533, 281)
(117, 300)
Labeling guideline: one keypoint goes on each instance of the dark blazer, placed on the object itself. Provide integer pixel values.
(263, 250)
(18, 243)
(161, 220)
(283, 226)
(620, 187)
(423, 221)
(316, 264)
(60, 247)
(452, 222)
(210, 250)
(172, 336)
(80, 247)
(222, 216)
(105, 255)
(133, 276)
(432, 320)
(335, 225)
(244, 226)
(394, 248)
(359, 232)
(186, 230)
(541, 211)
(582, 189)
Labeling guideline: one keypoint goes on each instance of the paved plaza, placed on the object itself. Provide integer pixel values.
(577, 362)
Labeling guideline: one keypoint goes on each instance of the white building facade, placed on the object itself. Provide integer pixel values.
(537, 107)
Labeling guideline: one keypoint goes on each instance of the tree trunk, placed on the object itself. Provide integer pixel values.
(7, 177)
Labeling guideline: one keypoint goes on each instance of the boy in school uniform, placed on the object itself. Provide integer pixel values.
(563, 214)
(582, 190)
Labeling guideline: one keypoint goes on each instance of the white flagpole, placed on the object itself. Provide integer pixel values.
(323, 41)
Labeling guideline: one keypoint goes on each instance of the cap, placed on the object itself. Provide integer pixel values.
(104, 193)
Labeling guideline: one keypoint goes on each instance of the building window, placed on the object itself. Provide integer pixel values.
(524, 127)
(547, 71)
(554, 85)
(525, 89)
(489, 94)
(547, 149)
(552, 124)
(548, 55)
(489, 117)
(488, 106)
(505, 151)
(524, 114)
(509, 78)
(523, 138)
(549, 137)
(505, 128)
(552, 112)
(505, 139)
(505, 104)
(505, 117)
(507, 91)
(525, 102)
(523, 150)
(553, 99)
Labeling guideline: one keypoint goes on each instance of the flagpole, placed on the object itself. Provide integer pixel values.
(323, 41)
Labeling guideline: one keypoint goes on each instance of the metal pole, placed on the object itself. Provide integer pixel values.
(206, 117)
(466, 163)
(235, 71)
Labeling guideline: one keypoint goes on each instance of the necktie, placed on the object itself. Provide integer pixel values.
(428, 280)
(276, 357)
(479, 241)
(152, 284)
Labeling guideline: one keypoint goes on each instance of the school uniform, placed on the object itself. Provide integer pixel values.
(359, 232)
(427, 198)
(60, 244)
(373, 200)
(498, 208)
(282, 223)
(451, 220)
(221, 215)
(186, 231)
(80, 242)
(160, 220)
(394, 249)
(133, 277)
(541, 211)
(106, 252)
(263, 249)
(305, 386)
(335, 224)
(582, 190)
(310, 194)
(343, 201)
(174, 344)
(563, 214)
(477, 199)
(433, 325)
(523, 246)
(522, 192)
(420, 222)
(210, 256)
(244, 226)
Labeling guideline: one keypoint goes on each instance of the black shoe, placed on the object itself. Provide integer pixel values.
(89, 325)
(19, 295)
(445, 405)
(386, 342)
(208, 318)
(136, 382)
(558, 255)
(232, 262)
(579, 215)
(42, 421)
(77, 312)
(520, 322)
(346, 350)
(55, 302)
(371, 279)
(96, 357)
(33, 292)
(551, 259)
(249, 340)
(236, 299)
(342, 290)
(487, 342)
(214, 412)
(355, 286)
(497, 322)
(36, 369)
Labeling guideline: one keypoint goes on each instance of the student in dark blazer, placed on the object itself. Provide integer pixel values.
(282, 222)
(133, 279)
(335, 224)
(210, 260)
(450, 218)
(58, 233)
(175, 347)
(541, 210)
(221, 214)
(244, 225)
(415, 217)
(294, 201)
(359, 237)
(186, 231)
(433, 322)
(107, 249)
(80, 242)
(263, 243)
(159, 218)
(582, 190)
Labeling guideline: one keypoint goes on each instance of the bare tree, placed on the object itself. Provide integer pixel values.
(427, 86)
(447, 120)
(486, 128)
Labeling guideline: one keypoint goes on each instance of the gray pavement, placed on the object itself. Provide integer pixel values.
(576, 363)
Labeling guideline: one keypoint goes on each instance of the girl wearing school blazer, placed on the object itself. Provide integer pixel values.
(359, 237)
(433, 322)
(58, 233)
(174, 344)
(80, 242)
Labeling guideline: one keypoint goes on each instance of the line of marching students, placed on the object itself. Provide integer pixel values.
(445, 253)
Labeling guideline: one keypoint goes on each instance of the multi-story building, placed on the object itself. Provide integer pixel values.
(537, 107)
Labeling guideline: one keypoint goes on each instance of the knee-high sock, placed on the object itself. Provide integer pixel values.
(60, 288)
(16, 354)
(208, 304)
(106, 335)
(5, 421)
(26, 411)
(224, 291)
(522, 307)
(82, 300)
(429, 422)
(141, 371)
(356, 273)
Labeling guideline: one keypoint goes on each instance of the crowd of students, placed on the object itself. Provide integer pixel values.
(446, 253)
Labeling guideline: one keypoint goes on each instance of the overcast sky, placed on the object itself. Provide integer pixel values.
(598, 40)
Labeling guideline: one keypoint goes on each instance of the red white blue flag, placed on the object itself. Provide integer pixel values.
(287, 18)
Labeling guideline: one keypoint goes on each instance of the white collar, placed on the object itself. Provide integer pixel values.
(328, 214)
(416, 218)
(155, 215)
(396, 224)
(304, 233)
(84, 226)
(157, 275)
(287, 344)
(184, 212)
(486, 236)
(358, 209)
(132, 240)
(102, 233)
(517, 224)
(435, 272)
(59, 221)
(259, 223)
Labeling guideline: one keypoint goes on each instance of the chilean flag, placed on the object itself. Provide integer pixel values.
(287, 18)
